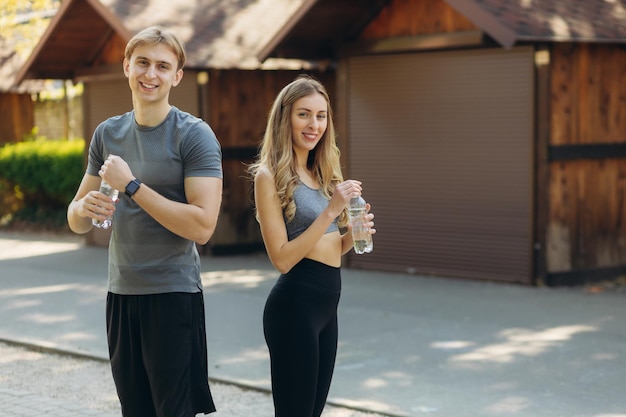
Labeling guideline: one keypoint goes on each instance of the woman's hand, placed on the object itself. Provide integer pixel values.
(369, 217)
(343, 193)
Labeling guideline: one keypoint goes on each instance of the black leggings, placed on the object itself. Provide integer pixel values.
(300, 326)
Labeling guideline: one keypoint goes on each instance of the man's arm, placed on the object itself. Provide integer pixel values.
(195, 220)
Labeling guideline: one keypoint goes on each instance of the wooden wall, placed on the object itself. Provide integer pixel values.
(238, 104)
(586, 228)
(60, 119)
(416, 17)
(17, 117)
(581, 209)
(112, 52)
(588, 93)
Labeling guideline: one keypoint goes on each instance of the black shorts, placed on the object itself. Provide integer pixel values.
(158, 352)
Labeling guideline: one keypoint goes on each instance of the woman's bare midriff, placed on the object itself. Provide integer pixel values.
(327, 250)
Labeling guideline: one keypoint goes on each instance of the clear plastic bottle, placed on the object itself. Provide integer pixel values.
(106, 189)
(361, 236)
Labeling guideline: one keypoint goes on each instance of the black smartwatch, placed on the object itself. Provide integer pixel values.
(132, 187)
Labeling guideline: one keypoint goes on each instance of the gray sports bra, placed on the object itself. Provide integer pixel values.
(309, 204)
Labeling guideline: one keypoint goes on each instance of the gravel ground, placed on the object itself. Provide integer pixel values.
(89, 383)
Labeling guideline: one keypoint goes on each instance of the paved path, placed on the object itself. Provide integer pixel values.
(23, 404)
(409, 345)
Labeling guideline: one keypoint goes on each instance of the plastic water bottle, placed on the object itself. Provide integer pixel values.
(361, 236)
(106, 189)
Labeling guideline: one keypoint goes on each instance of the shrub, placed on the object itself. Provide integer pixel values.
(43, 174)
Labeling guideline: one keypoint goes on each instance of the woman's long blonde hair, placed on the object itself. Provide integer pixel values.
(277, 151)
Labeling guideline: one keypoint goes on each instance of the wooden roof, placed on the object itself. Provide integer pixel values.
(510, 22)
(89, 35)
(10, 64)
(74, 38)
(328, 23)
(217, 33)
(320, 27)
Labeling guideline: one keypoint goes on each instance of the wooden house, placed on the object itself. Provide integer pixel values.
(17, 108)
(17, 112)
(490, 135)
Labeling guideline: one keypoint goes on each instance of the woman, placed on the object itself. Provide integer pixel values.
(301, 200)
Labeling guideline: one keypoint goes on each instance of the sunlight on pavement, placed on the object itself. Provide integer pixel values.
(47, 318)
(509, 405)
(19, 303)
(15, 354)
(610, 415)
(18, 249)
(522, 342)
(243, 277)
(364, 404)
(77, 336)
(247, 355)
(397, 379)
(375, 383)
(605, 357)
(46, 289)
(452, 344)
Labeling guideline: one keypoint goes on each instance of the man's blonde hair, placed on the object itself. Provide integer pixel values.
(154, 35)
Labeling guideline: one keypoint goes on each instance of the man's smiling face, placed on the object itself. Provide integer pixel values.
(152, 73)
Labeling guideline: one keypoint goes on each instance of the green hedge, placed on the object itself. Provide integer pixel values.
(44, 174)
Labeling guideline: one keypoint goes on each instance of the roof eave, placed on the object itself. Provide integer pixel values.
(485, 21)
(117, 26)
(571, 39)
(284, 31)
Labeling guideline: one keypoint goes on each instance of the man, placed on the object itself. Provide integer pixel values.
(167, 165)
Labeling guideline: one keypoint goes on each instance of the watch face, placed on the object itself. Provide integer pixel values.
(132, 188)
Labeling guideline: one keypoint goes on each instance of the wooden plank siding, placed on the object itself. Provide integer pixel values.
(580, 140)
(17, 117)
(462, 225)
(589, 97)
(239, 102)
(587, 194)
(112, 52)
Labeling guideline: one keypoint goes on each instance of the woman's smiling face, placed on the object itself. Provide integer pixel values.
(309, 119)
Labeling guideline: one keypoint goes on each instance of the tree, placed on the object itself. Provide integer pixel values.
(22, 22)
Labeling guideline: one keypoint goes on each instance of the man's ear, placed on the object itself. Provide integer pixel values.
(178, 77)
(126, 66)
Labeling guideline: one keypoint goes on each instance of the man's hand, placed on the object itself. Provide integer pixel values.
(116, 172)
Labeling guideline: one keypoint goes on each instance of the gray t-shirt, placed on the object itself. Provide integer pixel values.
(145, 257)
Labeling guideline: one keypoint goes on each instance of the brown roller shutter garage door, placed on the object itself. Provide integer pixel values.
(443, 143)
